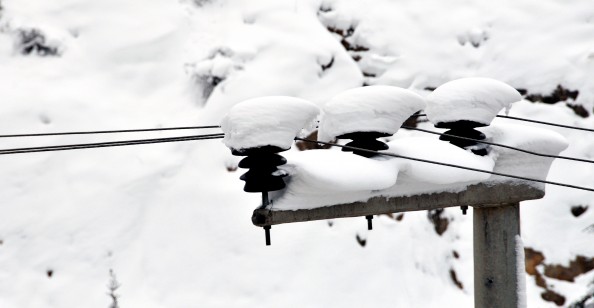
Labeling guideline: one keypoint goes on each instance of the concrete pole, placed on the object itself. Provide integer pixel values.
(496, 272)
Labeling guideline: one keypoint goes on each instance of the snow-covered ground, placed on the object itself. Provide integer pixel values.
(173, 223)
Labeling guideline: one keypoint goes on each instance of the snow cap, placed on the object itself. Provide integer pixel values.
(473, 99)
(368, 109)
(269, 120)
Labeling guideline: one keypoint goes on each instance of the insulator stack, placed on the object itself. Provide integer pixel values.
(466, 129)
(263, 174)
(259, 128)
(365, 140)
(464, 104)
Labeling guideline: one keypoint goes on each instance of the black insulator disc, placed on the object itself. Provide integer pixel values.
(262, 174)
(266, 149)
(363, 135)
(266, 170)
(480, 149)
(364, 154)
(254, 161)
(365, 140)
(271, 183)
(461, 124)
(481, 152)
(458, 142)
(368, 144)
(467, 133)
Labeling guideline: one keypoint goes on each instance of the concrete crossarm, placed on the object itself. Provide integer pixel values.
(477, 195)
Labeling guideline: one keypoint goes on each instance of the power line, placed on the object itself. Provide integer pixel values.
(108, 144)
(447, 164)
(545, 123)
(500, 145)
(109, 131)
(528, 120)
(217, 126)
(218, 136)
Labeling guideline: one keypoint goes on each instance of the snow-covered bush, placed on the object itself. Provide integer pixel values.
(213, 70)
(34, 41)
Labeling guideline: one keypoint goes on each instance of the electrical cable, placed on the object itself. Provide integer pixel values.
(447, 164)
(528, 120)
(217, 126)
(108, 144)
(220, 135)
(545, 123)
(109, 131)
(499, 145)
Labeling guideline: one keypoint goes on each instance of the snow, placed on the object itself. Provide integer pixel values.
(271, 120)
(276, 49)
(439, 151)
(337, 171)
(174, 224)
(368, 109)
(326, 177)
(472, 99)
(322, 177)
(534, 139)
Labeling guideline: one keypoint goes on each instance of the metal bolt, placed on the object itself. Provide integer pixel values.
(267, 233)
(369, 222)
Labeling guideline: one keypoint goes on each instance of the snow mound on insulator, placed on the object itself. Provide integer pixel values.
(534, 139)
(324, 177)
(319, 178)
(270, 120)
(439, 151)
(368, 109)
(324, 171)
(472, 99)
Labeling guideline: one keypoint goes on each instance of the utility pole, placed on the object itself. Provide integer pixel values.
(496, 264)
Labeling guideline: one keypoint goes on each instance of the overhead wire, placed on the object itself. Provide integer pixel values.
(109, 131)
(217, 126)
(529, 120)
(499, 145)
(446, 164)
(109, 144)
(545, 123)
(221, 135)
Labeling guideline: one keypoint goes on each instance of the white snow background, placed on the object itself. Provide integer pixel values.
(171, 221)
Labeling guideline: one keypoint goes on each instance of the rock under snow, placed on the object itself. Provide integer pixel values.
(368, 109)
(473, 99)
(270, 120)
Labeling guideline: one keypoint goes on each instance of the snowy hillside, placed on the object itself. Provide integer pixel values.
(172, 223)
